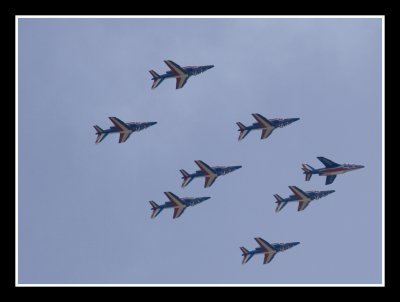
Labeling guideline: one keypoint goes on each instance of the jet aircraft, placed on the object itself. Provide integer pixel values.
(304, 198)
(269, 250)
(124, 129)
(266, 125)
(331, 169)
(178, 204)
(181, 74)
(210, 173)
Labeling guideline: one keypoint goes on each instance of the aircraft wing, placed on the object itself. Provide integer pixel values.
(119, 124)
(181, 75)
(300, 194)
(176, 201)
(267, 248)
(176, 69)
(209, 180)
(181, 81)
(207, 170)
(266, 124)
(262, 120)
(265, 133)
(123, 136)
(327, 162)
(178, 211)
(330, 179)
(303, 204)
(268, 257)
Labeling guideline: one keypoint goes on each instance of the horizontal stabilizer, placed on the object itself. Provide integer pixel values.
(155, 208)
(307, 171)
(246, 255)
(100, 134)
(243, 134)
(241, 126)
(100, 137)
(154, 74)
(186, 178)
(281, 203)
(244, 250)
(184, 173)
(154, 205)
(98, 129)
(156, 83)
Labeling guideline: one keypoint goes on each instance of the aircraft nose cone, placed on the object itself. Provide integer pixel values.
(205, 198)
(360, 166)
(295, 119)
(295, 243)
(331, 191)
(152, 123)
(237, 167)
(210, 66)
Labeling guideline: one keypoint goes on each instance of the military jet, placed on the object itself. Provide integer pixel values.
(269, 250)
(210, 173)
(263, 124)
(181, 74)
(304, 198)
(124, 129)
(178, 204)
(331, 169)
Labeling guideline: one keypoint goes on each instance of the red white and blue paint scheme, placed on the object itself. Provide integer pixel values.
(124, 129)
(264, 124)
(268, 249)
(178, 204)
(330, 171)
(304, 198)
(181, 74)
(209, 173)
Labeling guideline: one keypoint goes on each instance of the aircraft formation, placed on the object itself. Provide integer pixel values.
(211, 173)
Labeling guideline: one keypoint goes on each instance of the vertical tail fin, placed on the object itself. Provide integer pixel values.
(243, 131)
(246, 255)
(186, 178)
(100, 134)
(280, 203)
(156, 78)
(155, 208)
(307, 171)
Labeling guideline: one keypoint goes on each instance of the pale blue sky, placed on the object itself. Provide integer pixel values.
(84, 215)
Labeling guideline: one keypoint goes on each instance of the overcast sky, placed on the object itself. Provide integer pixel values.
(84, 215)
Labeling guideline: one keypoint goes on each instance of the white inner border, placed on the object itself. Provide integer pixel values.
(200, 17)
